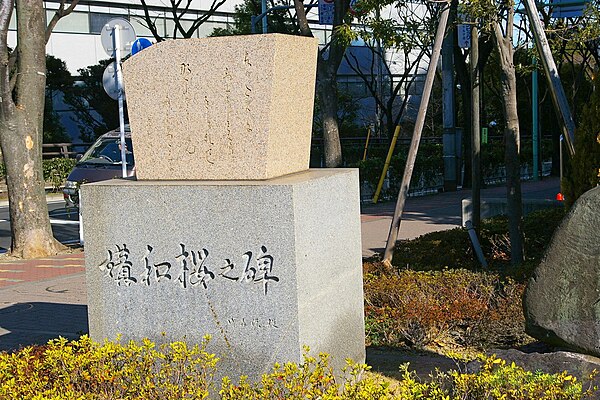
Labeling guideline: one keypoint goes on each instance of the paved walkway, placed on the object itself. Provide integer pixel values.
(435, 212)
(23, 271)
(44, 298)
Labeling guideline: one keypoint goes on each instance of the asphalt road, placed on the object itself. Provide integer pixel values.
(65, 223)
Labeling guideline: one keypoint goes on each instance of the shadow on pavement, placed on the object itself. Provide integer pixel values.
(24, 324)
(387, 361)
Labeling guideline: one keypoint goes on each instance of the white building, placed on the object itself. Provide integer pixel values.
(76, 37)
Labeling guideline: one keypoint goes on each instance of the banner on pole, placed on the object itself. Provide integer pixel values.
(326, 11)
(464, 36)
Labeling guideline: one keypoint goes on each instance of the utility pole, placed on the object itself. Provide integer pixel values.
(416, 138)
(535, 129)
(449, 139)
(475, 130)
(263, 10)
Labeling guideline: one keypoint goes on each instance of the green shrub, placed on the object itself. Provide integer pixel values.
(495, 381)
(428, 166)
(313, 379)
(498, 380)
(438, 294)
(583, 170)
(452, 248)
(436, 251)
(56, 171)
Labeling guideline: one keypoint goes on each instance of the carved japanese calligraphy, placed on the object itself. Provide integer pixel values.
(191, 267)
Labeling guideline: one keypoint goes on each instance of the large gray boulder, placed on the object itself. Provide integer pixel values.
(562, 300)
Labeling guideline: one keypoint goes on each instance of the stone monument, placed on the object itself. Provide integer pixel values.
(226, 231)
(562, 300)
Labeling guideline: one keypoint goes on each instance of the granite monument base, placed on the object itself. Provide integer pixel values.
(264, 267)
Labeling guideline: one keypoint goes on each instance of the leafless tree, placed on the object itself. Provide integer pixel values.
(177, 13)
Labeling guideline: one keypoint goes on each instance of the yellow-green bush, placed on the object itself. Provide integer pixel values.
(82, 369)
(313, 379)
(499, 380)
(495, 381)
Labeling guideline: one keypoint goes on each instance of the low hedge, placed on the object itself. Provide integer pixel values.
(55, 171)
(84, 369)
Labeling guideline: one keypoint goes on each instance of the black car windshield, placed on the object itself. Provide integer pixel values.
(108, 151)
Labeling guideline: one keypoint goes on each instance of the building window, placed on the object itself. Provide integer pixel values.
(98, 20)
(141, 27)
(76, 22)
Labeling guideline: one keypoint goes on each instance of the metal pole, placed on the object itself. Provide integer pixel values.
(560, 153)
(380, 61)
(556, 90)
(367, 143)
(264, 11)
(475, 129)
(414, 144)
(449, 139)
(388, 159)
(476, 244)
(535, 119)
(117, 47)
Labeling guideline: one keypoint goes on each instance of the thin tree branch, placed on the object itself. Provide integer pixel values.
(199, 21)
(61, 12)
(150, 22)
(302, 19)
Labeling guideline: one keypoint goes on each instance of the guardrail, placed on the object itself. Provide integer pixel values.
(65, 150)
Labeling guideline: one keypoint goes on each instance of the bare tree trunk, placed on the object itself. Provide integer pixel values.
(328, 63)
(21, 118)
(512, 139)
(327, 93)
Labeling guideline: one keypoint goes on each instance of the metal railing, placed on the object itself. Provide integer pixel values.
(64, 150)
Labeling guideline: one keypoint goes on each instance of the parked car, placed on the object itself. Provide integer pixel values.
(102, 161)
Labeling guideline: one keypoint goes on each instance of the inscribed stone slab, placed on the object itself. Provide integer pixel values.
(265, 267)
(236, 107)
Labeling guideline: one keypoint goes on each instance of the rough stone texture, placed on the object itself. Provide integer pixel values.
(578, 365)
(309, 222)
(562, 300)
(237, 107)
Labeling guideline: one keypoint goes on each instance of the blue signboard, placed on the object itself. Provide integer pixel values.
(567, 8)
(139, 45)
(326, 11)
